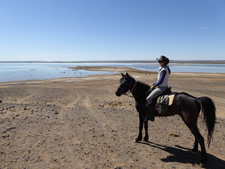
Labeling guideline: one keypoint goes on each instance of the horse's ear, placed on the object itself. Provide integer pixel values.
(127, 74)
(122, 74)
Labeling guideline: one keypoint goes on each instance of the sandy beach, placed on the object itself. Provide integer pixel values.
(80, 123)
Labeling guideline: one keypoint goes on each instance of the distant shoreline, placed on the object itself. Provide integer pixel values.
(125, 61)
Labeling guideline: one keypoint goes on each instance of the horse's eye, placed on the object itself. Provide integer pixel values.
(125, 83)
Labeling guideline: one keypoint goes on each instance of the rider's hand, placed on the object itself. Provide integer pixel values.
(152, 86)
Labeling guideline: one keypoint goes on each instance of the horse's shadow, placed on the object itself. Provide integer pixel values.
(184, 155)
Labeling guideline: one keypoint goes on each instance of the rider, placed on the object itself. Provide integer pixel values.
(160, 86)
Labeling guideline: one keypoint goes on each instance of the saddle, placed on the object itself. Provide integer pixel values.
(163, 101)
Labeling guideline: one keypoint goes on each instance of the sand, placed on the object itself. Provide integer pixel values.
(81, 123)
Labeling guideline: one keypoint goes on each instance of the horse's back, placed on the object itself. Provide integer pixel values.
(187, 102)
(182, 103)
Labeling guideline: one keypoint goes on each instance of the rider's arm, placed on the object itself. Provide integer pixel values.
(162, 76)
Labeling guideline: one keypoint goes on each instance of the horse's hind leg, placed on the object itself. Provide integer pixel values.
(200, 140)
(195, 149)
(192, 125)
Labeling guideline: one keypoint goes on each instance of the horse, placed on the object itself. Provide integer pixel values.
(186, 106)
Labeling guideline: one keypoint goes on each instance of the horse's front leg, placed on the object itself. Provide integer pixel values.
(146, 130)
(141, 121)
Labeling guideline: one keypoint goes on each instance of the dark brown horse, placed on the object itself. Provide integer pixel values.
(184, 105)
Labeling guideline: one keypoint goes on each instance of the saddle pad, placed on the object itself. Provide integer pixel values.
(163, 102)
(171, 99)
(166, 99)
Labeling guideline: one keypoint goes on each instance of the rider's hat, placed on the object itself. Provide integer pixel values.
(163, 59)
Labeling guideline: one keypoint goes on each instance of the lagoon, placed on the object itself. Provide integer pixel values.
(39, 71)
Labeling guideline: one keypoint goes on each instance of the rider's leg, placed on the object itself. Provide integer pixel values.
(156, 92)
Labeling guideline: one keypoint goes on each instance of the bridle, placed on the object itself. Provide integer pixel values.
(131, 90)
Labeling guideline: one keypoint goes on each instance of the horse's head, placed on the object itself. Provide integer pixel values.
(127, 83)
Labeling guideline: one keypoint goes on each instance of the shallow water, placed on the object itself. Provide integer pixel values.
(39, 71)
(185, 67)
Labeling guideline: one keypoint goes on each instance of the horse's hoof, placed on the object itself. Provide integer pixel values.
(146, 139)
(137, 140)
(203, 164)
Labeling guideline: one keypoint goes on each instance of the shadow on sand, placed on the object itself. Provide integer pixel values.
(184, 155)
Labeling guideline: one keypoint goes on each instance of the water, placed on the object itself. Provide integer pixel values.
(38, 71)
(185, 67)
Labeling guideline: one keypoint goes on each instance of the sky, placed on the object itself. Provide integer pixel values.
(92, 30)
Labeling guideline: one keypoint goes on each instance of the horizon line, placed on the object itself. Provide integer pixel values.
(120, 61)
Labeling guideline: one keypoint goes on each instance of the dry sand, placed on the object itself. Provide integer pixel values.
(80, 123)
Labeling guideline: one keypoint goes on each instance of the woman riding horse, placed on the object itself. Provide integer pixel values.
(161, 84)
(186, 106)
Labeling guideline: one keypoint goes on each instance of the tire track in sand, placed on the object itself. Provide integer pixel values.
(96, 114)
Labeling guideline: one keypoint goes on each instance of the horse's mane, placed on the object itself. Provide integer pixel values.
(141, 83)
(144, 84)
(143, 87)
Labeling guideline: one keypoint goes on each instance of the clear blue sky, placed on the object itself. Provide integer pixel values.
(75, 30)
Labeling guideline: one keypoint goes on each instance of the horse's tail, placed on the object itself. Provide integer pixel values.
(209, 110)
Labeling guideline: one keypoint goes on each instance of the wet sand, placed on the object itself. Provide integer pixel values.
(80, 123)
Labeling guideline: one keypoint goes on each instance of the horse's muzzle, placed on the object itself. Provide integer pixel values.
(118, 94)
(119, 91)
